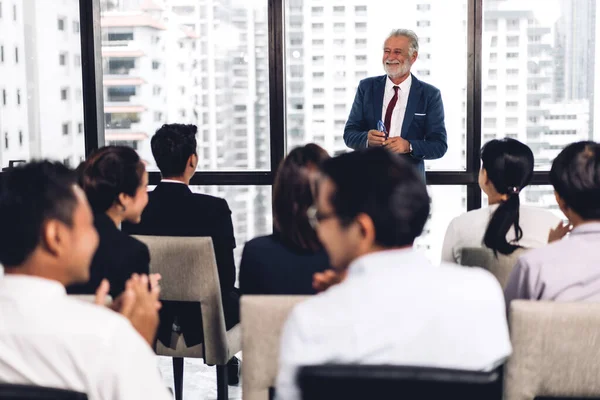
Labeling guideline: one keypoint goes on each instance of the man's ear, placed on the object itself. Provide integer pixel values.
(562, 205)
(366, 228)
(193, 161)
(53, 237)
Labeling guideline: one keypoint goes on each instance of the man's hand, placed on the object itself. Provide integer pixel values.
(102, 293)
(397, 145)
(324, 280)
(559, 232)
(375, 138)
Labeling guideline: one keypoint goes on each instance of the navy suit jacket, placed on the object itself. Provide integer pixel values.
(423, 124)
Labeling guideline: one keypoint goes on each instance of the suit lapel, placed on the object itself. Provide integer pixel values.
(414, 96)
(378, 92)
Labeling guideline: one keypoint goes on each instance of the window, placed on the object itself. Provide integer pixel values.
(318, 26)
(339, 42)
(61, 24)
(360, 10)
(66, 128)
(3, 97)
(423, 7)
(512, 24)
(512, 55)
(75, 26)
(512, 104)
(423, 23)
(360, 26)
(64, 94)
(512, 41)
(80, 128)
(6, 140)
(16, 55)
(318, 42)
(203, 87)
(360, 43)
(339, 9)
(317, 10)
(18, 97)
(512, 72)
(1, 54)
(14, 12)
(62, 59)
(20, 138)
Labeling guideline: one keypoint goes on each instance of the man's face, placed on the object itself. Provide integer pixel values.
(339, 241)
(396, 60)
(81, 240)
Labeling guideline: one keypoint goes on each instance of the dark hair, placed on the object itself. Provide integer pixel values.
(575, 175)
(292, 196)
(509, 166)
(384, 186)
(172, 146)
(32, 194)
(108, 172)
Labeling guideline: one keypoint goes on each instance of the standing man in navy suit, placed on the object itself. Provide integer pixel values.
(411, 111)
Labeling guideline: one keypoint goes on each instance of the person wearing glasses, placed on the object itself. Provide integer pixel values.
(285, 262)
(397, 110)
(394, 306)
(567, 269)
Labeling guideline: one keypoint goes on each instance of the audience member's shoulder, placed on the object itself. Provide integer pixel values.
(540, 213)
(471, 277)
(210, 201)
(260, 244)
(99, 320)
(558, 250)
(470, 217)
(134, 244)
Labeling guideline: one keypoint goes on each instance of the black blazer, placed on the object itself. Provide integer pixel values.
(117, 257)
(270, 266)
(173, 210)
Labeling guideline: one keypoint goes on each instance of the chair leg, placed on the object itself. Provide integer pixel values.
(222, 383)
(178, 377)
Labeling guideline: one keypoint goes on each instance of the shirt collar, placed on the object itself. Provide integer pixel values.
(588, 227)
(171, 181)
(404, 86)
(23, 285)
(381, 260)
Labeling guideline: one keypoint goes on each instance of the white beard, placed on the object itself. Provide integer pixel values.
(397, 70)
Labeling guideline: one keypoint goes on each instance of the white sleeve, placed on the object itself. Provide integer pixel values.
(133, 371)
(449, 243)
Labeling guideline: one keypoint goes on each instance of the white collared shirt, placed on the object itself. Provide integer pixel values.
(50, 339)
(171, 181)
(395, 307)
(468, 229)
(400, 108)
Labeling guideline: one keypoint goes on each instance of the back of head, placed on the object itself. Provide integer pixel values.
(383, 186)
(32, 194)
(509, 166)
(292, 196)
(575, 175)
(172, 145)
(109, 171)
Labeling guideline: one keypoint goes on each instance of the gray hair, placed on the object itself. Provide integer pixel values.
(412, 37)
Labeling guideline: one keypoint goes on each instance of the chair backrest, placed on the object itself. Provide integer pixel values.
(350, 382)
(500, 266)
(262, 321)
(556, 350)
(26, 392)
(189, 273)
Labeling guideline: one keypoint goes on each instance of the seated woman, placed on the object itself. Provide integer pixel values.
(505, 225)
(285, 262)
(115, 181)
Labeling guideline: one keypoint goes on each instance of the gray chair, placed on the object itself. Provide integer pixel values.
(189, 273)
(500, 266)
(262, 321)
(30, 392)
(556, 351)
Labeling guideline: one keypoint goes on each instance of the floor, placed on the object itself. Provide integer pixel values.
(199, 380)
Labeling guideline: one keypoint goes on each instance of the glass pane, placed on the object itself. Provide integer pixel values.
(447, 202)
(330, 48)
(539, 73)
(193, 62)
(41, 106)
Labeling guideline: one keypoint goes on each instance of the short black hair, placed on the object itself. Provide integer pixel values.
(108, 172)
(384, 186)
(32, 194)
(575, 175)
(172, 145)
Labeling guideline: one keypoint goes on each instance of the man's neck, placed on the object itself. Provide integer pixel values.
(181, 179)
(400, 79)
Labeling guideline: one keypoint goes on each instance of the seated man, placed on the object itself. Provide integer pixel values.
(394, 306)
(47, 241)
(173, 210)
(567, 269)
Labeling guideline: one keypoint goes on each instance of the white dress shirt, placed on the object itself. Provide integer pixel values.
(395, 307)
(50, 339)
(468, 229)
(400, 108)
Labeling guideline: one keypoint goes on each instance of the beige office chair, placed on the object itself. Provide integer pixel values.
(500, 266)
(189, 273)
(556, 350)
(262, 321)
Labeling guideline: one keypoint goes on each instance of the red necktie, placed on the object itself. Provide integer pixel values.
(390, 109)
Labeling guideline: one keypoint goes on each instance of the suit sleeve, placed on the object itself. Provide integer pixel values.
(224, 243)
(356, 130)
(435, 143)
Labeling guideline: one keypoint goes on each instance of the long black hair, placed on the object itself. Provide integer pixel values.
(509, 166)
